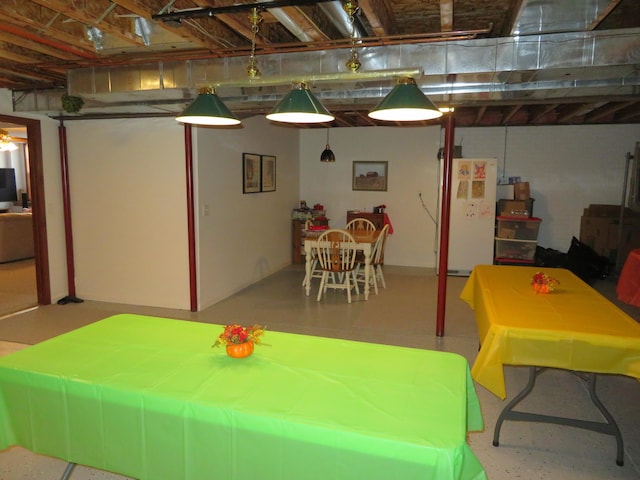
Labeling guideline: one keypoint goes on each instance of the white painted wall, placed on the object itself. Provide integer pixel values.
(128, 197)
(412, 169)
(568, 168)
(245, 237)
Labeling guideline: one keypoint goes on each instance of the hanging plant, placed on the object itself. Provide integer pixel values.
(71, 104)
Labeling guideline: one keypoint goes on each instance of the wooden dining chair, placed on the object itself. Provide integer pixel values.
(315, 272)
(361, 224)
(375, 265)
(336, 252)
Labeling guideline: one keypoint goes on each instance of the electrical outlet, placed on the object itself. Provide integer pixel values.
(205, 210)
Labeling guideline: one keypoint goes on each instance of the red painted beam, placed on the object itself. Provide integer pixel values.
(443, 260)
(191, 229)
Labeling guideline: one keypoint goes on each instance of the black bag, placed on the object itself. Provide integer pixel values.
(548, 257)
(583, 261)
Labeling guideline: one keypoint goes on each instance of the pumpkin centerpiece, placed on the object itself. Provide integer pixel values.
(238, 340)
(543, 283)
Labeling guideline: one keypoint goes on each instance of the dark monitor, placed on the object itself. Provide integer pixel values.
(8, 191)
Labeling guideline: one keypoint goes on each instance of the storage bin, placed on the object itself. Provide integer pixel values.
(510, 249)
(515, 208)
(518, 228)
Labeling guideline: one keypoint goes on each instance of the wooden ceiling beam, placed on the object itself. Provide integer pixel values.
(607, 110)
(540, 115)
(479, 114)
(510, 114)
(446, 15)
(202, 32)
(96, 14)
(33, 45)
(380, 17)
(603, 14)
(43, 21)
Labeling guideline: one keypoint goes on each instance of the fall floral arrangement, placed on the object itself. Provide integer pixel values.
(543, 283)
(235, 334)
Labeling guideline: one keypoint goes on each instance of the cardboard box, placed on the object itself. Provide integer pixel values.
(602, 234)
(521, 191)
(505, 191)
(600, 210)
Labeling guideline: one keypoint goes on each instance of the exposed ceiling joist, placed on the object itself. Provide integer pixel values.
(45, 51)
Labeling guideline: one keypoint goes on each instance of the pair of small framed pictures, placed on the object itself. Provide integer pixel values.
(258, 173)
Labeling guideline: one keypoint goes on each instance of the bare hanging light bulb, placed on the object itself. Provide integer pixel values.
(327, 154)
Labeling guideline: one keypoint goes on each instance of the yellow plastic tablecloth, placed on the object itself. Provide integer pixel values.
(148, 398)
(573, 328)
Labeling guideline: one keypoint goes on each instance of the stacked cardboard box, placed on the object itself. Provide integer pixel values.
(600, 229)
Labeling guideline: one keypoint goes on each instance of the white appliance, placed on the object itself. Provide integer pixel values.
(472, 214)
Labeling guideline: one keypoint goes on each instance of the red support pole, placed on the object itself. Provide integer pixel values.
(443, 259)
(68, 232)
(191, 229)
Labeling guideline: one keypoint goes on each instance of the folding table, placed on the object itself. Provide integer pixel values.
(149, 398)
(573, 328)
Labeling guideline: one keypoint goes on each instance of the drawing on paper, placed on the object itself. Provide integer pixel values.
(463, 187)
(479, 170)
(477, 189)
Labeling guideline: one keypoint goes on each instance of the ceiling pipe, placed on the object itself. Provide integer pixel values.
(239, 8)
(289, 24)
(335, 12)
(44, 41)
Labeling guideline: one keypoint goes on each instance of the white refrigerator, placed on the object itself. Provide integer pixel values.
(472, 214)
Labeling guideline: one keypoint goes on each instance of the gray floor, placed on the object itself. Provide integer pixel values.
(403, 314)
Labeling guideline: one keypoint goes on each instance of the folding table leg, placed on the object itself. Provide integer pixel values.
(609, 427)
(67, 471)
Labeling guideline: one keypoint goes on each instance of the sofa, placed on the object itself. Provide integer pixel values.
(16, 237)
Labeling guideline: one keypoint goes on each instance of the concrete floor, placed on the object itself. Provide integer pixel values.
(402, 314)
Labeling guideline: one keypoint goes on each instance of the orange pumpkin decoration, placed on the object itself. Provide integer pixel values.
(240, 350)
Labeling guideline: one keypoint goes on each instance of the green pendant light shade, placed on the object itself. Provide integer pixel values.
(405, 103)
(208, 109)
(300, 106)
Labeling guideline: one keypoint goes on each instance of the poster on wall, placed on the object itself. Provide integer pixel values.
(268, 169)
(371, 176)
(250, 173)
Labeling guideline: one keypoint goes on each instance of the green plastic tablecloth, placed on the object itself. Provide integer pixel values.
(149, 398)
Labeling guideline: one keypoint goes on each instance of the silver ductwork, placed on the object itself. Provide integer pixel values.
(546, 66)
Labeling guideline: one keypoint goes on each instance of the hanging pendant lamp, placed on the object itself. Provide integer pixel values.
(327, 154)
(300, 106)
(405, 103)
(208, 109)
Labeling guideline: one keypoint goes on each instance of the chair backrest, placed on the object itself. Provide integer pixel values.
(336, 250)
(361, 224)
(377, 255)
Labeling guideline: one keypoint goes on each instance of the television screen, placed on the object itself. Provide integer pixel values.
(8, 192)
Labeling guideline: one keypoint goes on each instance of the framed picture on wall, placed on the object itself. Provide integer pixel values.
(250, 173)
(371, 176)
(268, 169)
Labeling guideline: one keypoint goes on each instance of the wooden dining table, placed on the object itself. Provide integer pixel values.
(365, 239)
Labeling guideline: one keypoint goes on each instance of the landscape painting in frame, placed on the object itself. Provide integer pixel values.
(268, 169)
(250, 173)
(372, 176)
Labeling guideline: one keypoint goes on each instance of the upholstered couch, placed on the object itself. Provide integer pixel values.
(16, 236)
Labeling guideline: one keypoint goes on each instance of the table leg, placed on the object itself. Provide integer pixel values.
(367, 265)
(307, 269)
(609, 427)
(67, 471)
